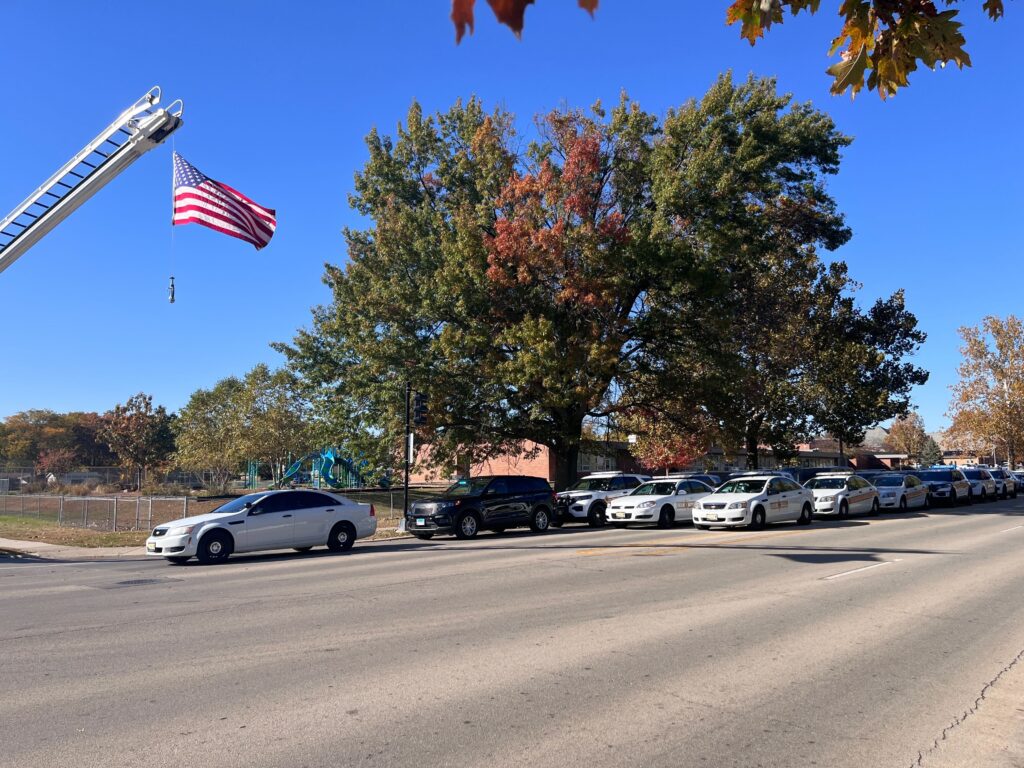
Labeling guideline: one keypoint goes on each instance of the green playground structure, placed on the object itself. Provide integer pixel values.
(329, 468)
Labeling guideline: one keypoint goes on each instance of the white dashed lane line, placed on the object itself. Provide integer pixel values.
(1007, 530)
(858, 570)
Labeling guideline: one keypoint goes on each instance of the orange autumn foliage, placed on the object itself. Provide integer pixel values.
(508, 12)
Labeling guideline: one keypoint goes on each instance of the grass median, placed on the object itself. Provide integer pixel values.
(48, 532)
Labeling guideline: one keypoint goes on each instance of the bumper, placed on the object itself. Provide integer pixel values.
(171, 546)
(429, 523)
(885, 501)
(632, 515)
(726, 518)
(826, 508)
(572, 511)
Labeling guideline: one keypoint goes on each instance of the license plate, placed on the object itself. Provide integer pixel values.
(711, 515)
(617, 515)
(421, 521)
(151, 546)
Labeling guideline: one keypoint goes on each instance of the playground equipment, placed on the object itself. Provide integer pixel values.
(135, 131)
(326, 467)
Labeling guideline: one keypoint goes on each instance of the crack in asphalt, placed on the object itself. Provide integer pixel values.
(960, 719)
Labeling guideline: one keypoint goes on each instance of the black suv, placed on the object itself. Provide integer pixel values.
(492, 502)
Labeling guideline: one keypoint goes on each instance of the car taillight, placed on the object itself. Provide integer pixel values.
(373, 512)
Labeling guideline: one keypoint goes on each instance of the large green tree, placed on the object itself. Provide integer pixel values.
(272, 420)
(613, 261)
(209, 431)
(140, 435)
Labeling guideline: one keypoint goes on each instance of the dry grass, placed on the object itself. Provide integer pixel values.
(48, 532)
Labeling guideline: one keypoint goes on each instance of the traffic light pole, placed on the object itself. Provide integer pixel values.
(405, 449)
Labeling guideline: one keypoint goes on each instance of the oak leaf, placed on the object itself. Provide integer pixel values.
(508, 12)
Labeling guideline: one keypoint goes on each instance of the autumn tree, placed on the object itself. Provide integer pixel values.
(272, 419)
(615, 264)
(209, 431)
(880, 42)
(907, 435)
(987, 407)
(57, 461)
(139, 434)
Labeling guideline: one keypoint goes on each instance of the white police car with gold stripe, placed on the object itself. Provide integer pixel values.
(754, 501)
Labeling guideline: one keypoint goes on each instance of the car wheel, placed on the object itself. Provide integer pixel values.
(927, 501)
(952, 499)
(342, 537)
(667, 517)
(984, 496)
(178, 560)
(596, 518)
(844, 509)
(806, 514)
(467, 526)
(970, 498)
(1014, 494)
(874, 507)
(302, 549)
(903, 503)
(214, 547)
(540, 521)
(757, 520)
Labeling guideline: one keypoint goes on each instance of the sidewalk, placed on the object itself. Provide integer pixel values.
(61, 552)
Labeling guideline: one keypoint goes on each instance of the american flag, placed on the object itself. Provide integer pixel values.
(201, 200)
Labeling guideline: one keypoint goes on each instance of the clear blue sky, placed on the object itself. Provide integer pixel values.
(278, 99)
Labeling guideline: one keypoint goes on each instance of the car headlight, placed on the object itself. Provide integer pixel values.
(737, 505)
(181, 530)
(582, 498)
(645, 504)
(827, 498)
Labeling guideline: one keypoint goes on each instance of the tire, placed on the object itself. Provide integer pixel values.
(844, 509)
(428, 535)
(806, 515)
(970, 498)
(540, 520)
(952, 499)
(302, 549)
(874, 508)
(342, 537)
(984, 496)
(1014, 494)
(1006, 493)
(667, 517)
(178, 560)
(467, 526)
(758, 520)
(903, 503)
(927, 501)
(596, 518)
(215, 547)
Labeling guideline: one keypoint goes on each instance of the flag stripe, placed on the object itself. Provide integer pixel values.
(225, 221)
(213, 203)
(199, 199)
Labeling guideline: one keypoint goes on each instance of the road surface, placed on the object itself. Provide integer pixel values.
(864, 643)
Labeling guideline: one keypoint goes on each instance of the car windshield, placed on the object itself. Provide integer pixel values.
(662, 488)
(972, 474)
(237, 505)
(831, 483)
(742, 486)
(889, 481)
(472, 487)
(936, 475)
(592, 484)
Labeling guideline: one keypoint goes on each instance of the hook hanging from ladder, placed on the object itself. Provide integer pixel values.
(170, 292)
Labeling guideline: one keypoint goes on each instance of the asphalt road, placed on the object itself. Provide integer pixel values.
(844, 644)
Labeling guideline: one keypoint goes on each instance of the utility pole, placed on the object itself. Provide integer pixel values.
(407, 448)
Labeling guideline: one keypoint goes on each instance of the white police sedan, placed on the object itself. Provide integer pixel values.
(902, 492)
(664, 502)
(754, 501)
(298, 519)
(842, 493)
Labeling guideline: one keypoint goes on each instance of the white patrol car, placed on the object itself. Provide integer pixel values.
(840, 493)
(983, 485)
(588, 499)
(900, 491)
(1006, 483)
(755, 501)
(946, 484)
(664, 501)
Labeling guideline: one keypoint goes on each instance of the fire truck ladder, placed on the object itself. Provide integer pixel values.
(136, 131)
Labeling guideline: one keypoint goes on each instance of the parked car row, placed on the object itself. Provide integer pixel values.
(303, 519)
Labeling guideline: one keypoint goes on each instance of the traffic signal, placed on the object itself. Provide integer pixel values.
(419, 409)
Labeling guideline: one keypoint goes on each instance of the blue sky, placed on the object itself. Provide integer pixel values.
(277, 104)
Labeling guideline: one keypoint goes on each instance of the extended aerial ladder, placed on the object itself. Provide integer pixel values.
(136, 131)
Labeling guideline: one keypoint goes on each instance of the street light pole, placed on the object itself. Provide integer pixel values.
(405, 449)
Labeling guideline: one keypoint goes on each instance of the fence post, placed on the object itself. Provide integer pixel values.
(138, 500)
(39, 502)
(150, 513)
(184, 511)
(85, 513)
(115, 514)
(23, 505)
(60, 511)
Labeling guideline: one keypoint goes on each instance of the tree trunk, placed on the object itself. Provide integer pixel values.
(752, 441)
(567, 458)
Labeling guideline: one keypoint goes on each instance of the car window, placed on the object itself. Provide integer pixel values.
(912, 482)
(791, 485)
(592, 484)
(826, 483)
(696, 486)
(518, 485)
(498, 486)
(624, 483)
(275, 502)
(775, 486)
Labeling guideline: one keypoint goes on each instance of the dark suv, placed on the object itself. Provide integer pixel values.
(492, 502)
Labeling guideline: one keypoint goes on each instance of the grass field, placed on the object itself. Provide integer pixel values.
(47, 531)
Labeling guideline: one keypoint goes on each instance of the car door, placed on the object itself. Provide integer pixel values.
(917, 492)
(859, 494)
(270, 523)
(313, 513)
(496, 503)
(778, 500)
